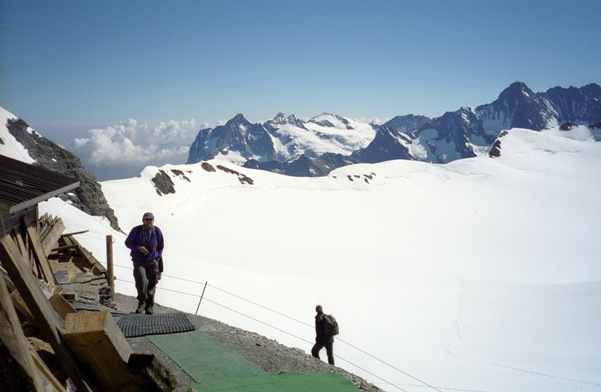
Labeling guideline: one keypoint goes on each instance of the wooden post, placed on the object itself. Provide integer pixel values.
(201, 295)
(110, 277)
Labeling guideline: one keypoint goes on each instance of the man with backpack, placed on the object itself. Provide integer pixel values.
(324, 334)
(146, 244)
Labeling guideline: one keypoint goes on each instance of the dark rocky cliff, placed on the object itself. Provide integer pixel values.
(88, 197)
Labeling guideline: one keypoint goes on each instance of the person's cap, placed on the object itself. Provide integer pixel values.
(148, 215)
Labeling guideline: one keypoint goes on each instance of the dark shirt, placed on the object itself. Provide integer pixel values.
(320, 334)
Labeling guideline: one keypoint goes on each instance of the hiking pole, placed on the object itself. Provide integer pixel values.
(201, 295)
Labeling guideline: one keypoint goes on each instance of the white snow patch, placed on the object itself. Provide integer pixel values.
(11, 147)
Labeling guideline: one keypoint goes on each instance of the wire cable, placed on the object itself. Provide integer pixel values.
(298, 337)
(285, 332)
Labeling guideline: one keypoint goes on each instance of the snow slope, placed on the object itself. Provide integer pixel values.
(9, 146)
(479, 275)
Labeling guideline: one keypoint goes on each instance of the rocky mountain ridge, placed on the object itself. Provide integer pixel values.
(88, 197)
(280, 145)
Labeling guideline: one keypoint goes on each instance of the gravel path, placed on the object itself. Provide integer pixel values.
(265, 353)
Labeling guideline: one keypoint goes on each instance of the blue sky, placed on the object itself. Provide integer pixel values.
(69, 66)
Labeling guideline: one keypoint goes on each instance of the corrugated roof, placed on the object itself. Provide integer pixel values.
(23, 185)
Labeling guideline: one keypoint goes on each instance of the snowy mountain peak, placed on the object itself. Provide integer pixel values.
(332, 141)
(282, 118)
(238, 119)
(329, 120)
(407, 123)
(517, 89)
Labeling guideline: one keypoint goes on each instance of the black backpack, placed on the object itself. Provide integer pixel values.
(330, 325)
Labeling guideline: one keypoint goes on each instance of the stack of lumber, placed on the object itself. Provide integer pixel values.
(43, 274)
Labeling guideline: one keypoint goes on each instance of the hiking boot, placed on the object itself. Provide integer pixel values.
(140, 307)
(149, 310)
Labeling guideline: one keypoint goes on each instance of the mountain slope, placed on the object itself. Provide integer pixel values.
(486, 269)
(19, 141)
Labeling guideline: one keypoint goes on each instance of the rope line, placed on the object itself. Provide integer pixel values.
(285, 332)
(261, 306)
(394, 367)
(298, 337)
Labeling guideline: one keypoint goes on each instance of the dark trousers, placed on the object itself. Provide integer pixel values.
(145, 275)
(329, 351)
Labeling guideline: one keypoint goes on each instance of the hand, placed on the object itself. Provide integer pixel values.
(143, 250)
(159, 276)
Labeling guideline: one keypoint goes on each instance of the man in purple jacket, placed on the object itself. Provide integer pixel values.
(146, 244)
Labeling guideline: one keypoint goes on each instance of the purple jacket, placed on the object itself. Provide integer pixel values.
(151, 239)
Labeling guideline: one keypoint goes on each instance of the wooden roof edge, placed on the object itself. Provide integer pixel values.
(32, 202)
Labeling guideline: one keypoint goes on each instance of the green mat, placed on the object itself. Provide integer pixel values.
(217, 369)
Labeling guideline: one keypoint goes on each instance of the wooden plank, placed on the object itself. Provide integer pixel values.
(69, 240)
(64, 247)
(74, 233)
(45, 225)
(46, 373)
(21, 306)
(149, 374)
(13, 338)
(93, 261)
(43, 219)
(51, 239)
(21, 243)
(68, 295)
(44, 230)
(61, 306)
(39, 254)
(97, 341)
(13, 221)
(46, 318)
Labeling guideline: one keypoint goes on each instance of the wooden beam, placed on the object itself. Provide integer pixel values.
(46, 318)
(74, 233)
(97, 340)
(21, 243)
(43, 218)
(21, 306)
(13, 338)
(61, 306)
(93, 260)
(39, 254)
(51, 238)
(149, 374)
(46, 373)
(64, 247)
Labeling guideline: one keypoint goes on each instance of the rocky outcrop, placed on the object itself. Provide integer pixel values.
(88, 197)
(495, 150)
(163, 183)
(577, 105)
(237, 135)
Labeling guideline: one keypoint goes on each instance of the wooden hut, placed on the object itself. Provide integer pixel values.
(89, 347)
(22, 187)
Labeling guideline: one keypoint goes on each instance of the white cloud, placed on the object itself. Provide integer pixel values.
(132, 143)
